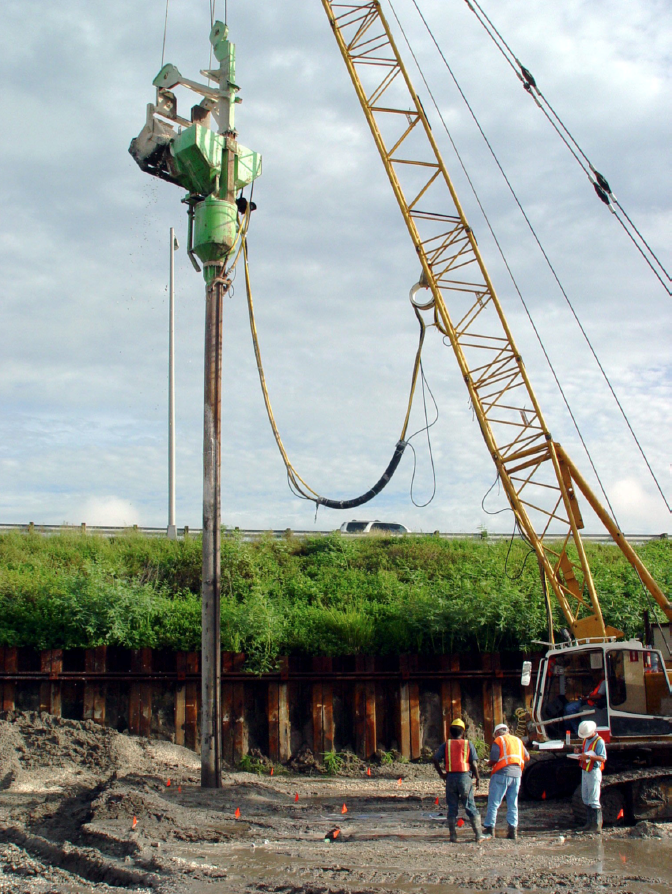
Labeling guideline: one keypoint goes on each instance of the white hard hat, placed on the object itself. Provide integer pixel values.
(501, 727)
(587, 728)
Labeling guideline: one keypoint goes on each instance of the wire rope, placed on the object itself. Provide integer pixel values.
(426, 427)
(598, 181)
(544, 254)
(165, 31)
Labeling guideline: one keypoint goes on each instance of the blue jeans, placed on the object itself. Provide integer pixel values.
(503, 787)
(459, 788)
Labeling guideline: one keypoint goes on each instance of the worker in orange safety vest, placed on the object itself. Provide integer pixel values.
(455, 762)
(592, 757)
(507, 759)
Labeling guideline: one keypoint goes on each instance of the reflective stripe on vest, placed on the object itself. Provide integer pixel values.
(510, 752)
(457, 756)
(589, 746)
(593, 697)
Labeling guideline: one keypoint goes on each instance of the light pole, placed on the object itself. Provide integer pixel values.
(172, 529)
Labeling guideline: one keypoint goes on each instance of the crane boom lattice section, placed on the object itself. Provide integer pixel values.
(535, 472)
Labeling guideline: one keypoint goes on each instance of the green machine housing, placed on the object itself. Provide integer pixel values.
(212, 166)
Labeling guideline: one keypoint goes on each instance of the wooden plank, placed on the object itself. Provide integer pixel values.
(180, 713)
(273, 713)
(497, 707)
(284, 727)
(488, 710)
(414, 719)
(404, 733)
(227, 709)
(371, 741)
(95, 662)
(240, 737)
(318, 745)
(328, 716)
(10, 664)
(51, 662)
(191, 704)
(360, 709)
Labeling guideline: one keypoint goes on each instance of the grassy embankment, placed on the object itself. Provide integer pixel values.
(330, 595)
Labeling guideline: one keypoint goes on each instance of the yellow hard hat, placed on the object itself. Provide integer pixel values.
(459, 723)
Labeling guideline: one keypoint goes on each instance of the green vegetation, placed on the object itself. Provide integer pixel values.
(333, 762)
(319, 596)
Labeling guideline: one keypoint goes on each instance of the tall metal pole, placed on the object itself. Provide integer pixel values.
(172, 529)
(211, 670)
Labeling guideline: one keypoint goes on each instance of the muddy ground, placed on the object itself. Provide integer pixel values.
(84, 809)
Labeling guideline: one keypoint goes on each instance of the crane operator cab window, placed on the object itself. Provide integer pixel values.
(575, 684)
(639, 693)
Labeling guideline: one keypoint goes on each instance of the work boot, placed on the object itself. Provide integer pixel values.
(452, 830)
(476, 826)
(488, 831)
(589, 819)
(512, 833)
(595, 820)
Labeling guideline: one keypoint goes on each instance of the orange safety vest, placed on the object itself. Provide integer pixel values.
(457, 756)
(511, 751)
(593, 762)
(593, 697)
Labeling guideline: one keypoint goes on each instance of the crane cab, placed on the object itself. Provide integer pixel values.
(623, 686)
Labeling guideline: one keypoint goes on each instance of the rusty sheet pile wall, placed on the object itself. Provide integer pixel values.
(355, 703)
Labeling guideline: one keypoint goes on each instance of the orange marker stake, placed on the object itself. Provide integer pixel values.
(620, 814)
(168, 783)
(296, 797)
(460, 823)
(399, 782)
(134, 823)
(436, 802)
(271, 771)
(368, 771)
(624, 859)
(179, 789)
(237, 813)
(344, 809)
(543, 796)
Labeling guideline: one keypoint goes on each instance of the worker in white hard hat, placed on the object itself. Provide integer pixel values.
(456, 761)
(507, 759)
(592, 757)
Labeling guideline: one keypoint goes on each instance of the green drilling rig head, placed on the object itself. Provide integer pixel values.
(209, 163)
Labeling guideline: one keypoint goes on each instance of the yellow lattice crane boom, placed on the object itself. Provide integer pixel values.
(539, 478)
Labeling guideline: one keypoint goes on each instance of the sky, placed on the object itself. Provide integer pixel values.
(84, 238)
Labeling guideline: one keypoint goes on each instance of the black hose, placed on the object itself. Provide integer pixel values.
(375, 490)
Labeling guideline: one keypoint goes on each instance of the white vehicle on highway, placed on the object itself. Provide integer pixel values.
(373, 527)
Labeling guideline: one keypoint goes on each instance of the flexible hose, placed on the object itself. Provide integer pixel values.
(296, 482)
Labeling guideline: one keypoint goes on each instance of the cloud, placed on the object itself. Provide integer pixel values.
(83, 254)
(112, 511)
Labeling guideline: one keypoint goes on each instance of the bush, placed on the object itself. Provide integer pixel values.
(315, 596)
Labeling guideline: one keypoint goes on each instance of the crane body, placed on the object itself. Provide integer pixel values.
(541, 482)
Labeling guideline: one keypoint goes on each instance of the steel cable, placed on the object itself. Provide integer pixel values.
(598, 181)
(541, 248)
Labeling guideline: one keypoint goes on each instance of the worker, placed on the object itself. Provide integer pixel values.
(455, 762)
(592, 757)
(596, 698)
(507, 759)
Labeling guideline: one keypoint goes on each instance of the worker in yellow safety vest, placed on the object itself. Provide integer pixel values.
(592, 757)
(455, 762)
(507, 759)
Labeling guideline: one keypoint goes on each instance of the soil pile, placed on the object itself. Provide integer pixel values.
(84, 809)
